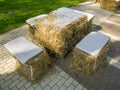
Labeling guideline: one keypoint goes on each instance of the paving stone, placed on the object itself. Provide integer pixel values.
(75, 83)
(6, 84)
(35, 85)
(11, 70)
(1, 82)
(6, 88)
(4, 71)
(111, 28)
(43, 84)
(30, 88)
(52, 76)
(38, 88)
(58, 69)
(54, 88)
(9, 77)
(68, 82)
(22, 88)
(28, 84)
(60, 82)
(53, 82)
(114, 18)
(1, 69)
(19, 85)
(71, 87)
(66, 76)
(47, 80)
(14, 83)
(21, 78)
(62, 73)
(3, 76)
(114, 50)
(63, 87)
(10, 61)
(84, 89)
(79, 87)
(47, 88)
(59, 77)
(16, 76)
(14, 88)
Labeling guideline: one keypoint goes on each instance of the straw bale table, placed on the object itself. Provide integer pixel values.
(62, 29)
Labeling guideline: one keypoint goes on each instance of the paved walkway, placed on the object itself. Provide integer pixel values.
(61, 78)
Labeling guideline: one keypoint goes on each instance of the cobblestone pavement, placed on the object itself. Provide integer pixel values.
(58, 79)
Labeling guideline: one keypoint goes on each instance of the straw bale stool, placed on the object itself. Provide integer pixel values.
(31, 60)
(90, 53)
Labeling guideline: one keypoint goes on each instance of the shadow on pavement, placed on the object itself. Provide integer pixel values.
(106, 78)
(114, 51)
(96, 27)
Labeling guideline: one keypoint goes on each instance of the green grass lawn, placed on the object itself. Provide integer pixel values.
(13, 13)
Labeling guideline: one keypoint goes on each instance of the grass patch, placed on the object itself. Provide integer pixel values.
(13, 13)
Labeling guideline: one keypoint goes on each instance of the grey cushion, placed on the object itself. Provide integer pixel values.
(31, 21)
(93, 43)
(23, 49)
(66, 15)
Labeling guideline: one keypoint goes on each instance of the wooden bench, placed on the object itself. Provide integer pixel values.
(90, 53)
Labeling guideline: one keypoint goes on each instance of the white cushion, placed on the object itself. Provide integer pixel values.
(66, 15)
(23, 49)
(93, 43)
(31, 21)
(89, 16)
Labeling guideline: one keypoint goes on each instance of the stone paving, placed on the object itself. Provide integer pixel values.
(57, 79)
(111, 25)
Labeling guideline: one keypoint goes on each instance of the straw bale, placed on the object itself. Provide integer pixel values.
(31, 33)
(60, 40)
(112, 5)
(86, 64)
(35, 68)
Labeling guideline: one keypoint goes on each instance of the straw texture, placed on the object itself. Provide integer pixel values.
(35, 68)
(111, 5)
(85, 63)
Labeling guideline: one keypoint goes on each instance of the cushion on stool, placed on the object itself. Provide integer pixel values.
(23, 49)
(93, 43)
